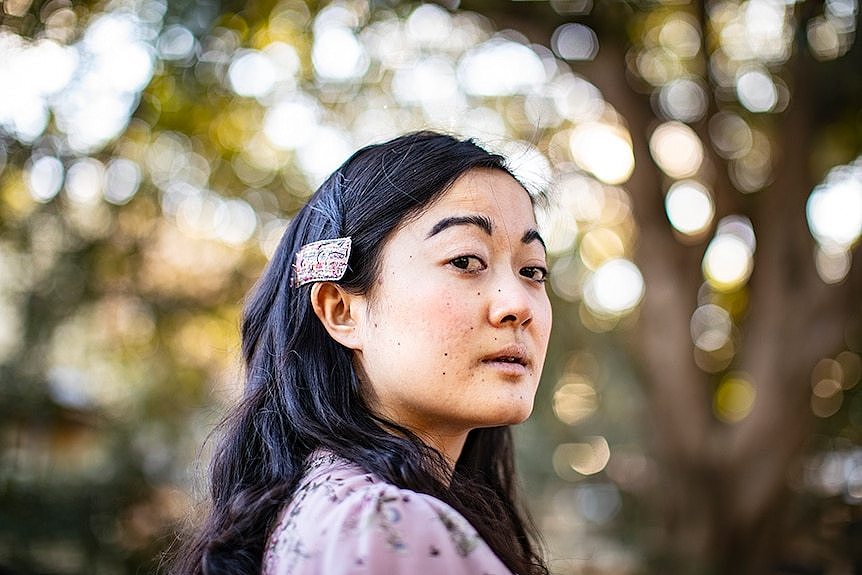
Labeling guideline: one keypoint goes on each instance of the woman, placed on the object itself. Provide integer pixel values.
(399, 329)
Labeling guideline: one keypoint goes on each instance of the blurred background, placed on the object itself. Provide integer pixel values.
(700, 410)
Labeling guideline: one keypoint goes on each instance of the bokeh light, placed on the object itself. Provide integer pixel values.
(176, 42)
(831, 34)
(689, 207)
(730, 134)
(44, 178)
(835, 207)
(484, 70)
(729, 257)
(603, 150)
(756, 90)
(291, 123)
(832, 262)
(597, 502)
(683, 99)
(572, 461)
(710, 327)
(251, 73)
(614, 289)
(575, 399)
(676, 149)
(575, 42)
(600, 245)
(559, 229)
(734, 398)
(85, 181)
(152, 155)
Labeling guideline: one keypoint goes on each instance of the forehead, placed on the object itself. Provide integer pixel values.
(490, 192)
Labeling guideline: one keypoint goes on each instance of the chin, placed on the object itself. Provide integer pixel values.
(514, 415)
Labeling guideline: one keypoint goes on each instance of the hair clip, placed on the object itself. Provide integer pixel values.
(321, 261)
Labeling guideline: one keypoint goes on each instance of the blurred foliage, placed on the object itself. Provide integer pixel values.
(152, 153)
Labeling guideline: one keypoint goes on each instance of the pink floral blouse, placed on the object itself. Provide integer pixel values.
(342, 520)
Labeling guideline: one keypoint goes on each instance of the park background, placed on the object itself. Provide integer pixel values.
(700, 409)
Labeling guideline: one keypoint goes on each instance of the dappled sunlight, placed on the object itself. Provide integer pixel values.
(152, 154)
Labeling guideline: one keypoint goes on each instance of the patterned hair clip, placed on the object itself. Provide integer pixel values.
(325, 260)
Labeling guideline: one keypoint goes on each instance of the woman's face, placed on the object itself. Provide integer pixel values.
(456, 328)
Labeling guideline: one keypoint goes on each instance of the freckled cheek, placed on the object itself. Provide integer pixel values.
(443, 311)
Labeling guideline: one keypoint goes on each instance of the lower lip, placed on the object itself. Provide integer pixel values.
(507, 368)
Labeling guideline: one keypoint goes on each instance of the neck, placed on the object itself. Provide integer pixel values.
(450, 447)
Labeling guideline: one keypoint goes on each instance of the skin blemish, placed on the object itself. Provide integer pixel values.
(446, 355)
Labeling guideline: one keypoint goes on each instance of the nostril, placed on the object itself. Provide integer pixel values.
(509, 317)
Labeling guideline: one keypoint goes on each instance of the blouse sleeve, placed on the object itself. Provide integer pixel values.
(391, 531)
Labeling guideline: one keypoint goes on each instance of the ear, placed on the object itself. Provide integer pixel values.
(340, 312)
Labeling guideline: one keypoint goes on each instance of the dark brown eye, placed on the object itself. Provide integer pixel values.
(535, 273)
(468, 263)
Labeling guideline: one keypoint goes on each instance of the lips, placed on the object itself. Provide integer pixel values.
(515, 354)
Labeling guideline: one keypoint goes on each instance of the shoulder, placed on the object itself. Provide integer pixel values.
(353, 523)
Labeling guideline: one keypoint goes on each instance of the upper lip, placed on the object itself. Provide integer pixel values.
(516, 352)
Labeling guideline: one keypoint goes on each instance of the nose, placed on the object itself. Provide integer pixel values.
(511, 304)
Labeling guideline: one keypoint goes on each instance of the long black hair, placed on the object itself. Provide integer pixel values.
(302, 392)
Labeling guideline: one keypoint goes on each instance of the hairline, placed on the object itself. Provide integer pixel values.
(414, 214)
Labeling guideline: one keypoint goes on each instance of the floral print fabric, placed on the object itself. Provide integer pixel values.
(343, 521)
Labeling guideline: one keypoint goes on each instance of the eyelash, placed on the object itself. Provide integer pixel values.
(466, 260)
(529, 269)
(542, 270)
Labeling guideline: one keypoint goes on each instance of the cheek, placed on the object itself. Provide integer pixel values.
(546, 318)
(438, 307)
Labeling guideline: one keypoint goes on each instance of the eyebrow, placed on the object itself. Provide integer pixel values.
(484, 224)
(479, 221)
(533, 236)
